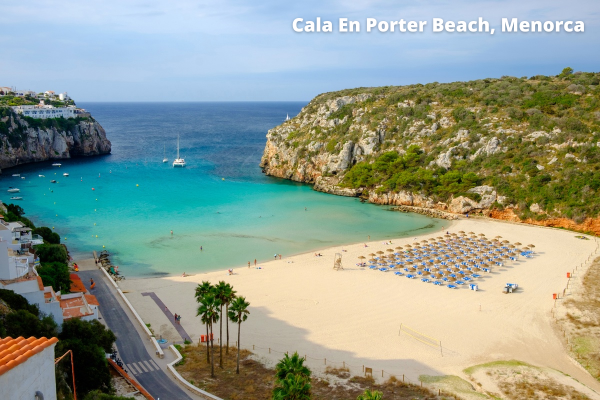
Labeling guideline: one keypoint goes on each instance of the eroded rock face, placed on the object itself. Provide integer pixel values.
(87, 138)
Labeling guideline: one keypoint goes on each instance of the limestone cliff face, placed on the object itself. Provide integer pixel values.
(524, 154)
(298, 150)
(24, 143)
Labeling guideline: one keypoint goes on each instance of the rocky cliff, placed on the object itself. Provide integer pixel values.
(25, 140)
(530, 145)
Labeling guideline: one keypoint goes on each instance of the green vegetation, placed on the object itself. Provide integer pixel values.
(89, 341)
(407, 172)
(22, 318)
(292, 379)
(536, 140)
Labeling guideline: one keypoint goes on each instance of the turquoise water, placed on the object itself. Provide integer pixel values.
(130, 201)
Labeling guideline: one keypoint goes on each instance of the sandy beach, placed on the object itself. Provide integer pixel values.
(354, 315)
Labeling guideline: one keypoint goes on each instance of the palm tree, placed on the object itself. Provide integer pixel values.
(209, 310)
(292, 379)
(221, 290)
(293, 387)
(238, 313)
(291, 365)
(368, 395)
(201, 291)
(229, 297)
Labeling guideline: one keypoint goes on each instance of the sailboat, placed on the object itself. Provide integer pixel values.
(165, 159)
(288, 117)
(179, 162)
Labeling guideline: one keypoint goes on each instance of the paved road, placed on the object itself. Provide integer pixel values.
(184, 335)
(129, 344)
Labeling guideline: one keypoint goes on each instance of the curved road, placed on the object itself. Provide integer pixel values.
(131, 348)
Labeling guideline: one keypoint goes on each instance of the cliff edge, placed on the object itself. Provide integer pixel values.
(25, 140)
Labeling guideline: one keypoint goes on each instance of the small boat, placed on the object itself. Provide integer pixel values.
(65, 174)
(16, 198)
(22, 177)
(179, 162)
(52, 181)
(165, 159)
(56, 164)
(16, 174)
(14, 190)
(42, 176)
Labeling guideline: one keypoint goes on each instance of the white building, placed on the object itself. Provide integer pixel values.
(27, 369)
(63, 96)
(46, 111)
(18, 273)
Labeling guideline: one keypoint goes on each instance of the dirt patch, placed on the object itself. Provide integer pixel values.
(256, 381)
(589, 225)
(516, 380)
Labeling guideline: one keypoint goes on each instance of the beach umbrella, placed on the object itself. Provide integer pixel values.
(408, 245)
(390, 250)
(511, 247)
(471, 233)
(461, 231)
(498, 237)
(439, 237)
(505, 241)
(481, 234)
(399, 248)
(372, 254)
(362, 257)
(518, 244)
(530, 245)
(446, 235)
(379, 252)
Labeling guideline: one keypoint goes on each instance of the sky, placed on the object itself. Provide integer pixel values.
(236, 50)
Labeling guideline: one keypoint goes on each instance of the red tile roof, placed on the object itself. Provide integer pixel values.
(16, 351)
(40, 283)
(92, 300)
(76, 284)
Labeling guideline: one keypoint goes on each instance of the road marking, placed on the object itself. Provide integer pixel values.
(131, 369)
(149, 366)
(142, 365)
(139, 370)
(155, 365)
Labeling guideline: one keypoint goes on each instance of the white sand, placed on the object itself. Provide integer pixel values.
(300, 303)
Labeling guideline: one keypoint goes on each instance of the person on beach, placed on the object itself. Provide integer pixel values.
(275, 256)
(179, 319)
(200, 248)
(369, 236)
(305, 209)
(280, 256)
(230, 270)
(248, 264)
(175, 317)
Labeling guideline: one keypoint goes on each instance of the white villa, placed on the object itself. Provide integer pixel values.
(46, 111)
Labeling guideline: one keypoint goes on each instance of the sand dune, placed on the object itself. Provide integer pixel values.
(301, 303)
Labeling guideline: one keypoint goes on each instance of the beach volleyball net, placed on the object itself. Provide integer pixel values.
(421, 337)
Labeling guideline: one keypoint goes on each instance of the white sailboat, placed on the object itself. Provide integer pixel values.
(13, 190)
(179, 162)
(287, 118)
(165, 159)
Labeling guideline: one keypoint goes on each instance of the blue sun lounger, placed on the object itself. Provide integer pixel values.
(426, 280)
(398, 273)
(459, 282)
(452, 286)
(410, 276)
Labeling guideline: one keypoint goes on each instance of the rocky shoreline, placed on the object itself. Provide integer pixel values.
(24, 143)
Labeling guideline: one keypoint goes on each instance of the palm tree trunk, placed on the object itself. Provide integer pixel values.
(227, 325)
(212, 355)
(237, 370)
(221, 340)
(207, 341)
